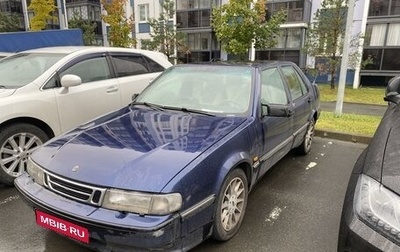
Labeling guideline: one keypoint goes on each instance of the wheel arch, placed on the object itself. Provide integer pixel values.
(239, 160)
(29, 120)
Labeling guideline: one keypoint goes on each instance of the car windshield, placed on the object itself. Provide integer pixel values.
(210, 88)
(20, 69)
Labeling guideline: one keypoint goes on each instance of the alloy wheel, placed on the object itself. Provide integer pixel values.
(15, 151)
(233, 204)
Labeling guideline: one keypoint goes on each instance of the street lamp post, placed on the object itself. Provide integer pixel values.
(345, 58)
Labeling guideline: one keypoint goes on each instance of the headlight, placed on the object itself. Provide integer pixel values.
(35, 172)
(142, 203)
(378, 206)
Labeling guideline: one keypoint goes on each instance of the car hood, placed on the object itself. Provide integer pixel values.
(383, 154)
(136, 149)
(6, 92)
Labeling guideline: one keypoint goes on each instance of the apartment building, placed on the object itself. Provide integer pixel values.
(193, 17)
(382, 42)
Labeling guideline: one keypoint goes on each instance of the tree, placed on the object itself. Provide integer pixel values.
(9, 23)
(325, 37)
(120, 25)
(42, 10)
(86, 26)
(237, 25)
(164, 36)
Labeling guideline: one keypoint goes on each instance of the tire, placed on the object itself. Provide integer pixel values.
(17, 142)
(305, 147)
(230, 206)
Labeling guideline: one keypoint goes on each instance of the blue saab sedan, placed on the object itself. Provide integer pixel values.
(176, 166)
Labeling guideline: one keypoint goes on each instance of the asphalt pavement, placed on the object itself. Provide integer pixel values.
(350, 108)
(295, 207)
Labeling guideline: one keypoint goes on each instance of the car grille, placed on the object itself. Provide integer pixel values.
(74, 190)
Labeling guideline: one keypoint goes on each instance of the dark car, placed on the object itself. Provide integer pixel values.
(177, 165)
(371, 211)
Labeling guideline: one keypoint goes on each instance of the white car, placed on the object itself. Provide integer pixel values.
(45, 92)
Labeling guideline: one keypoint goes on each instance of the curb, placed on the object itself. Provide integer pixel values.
(343, 137)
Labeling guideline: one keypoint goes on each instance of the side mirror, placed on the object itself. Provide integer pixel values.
(70, 80)
(393, 90)
(276, 110)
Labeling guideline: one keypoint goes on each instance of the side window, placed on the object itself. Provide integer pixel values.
(154, 66)
(127, 65)
(93, 69)
(52, 83)
(272, 87)
(297, 86)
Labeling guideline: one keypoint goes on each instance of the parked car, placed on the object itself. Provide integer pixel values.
(176, 166)
(44, 92)
(371, 211)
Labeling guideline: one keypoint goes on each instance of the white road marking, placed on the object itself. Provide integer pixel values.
(9, 199)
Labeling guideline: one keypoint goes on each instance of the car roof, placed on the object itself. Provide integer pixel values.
(255, 64)
(88, 49)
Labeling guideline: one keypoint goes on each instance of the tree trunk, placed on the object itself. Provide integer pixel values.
(333, 79)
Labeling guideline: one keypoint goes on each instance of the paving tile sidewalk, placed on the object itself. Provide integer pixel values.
(350, 108)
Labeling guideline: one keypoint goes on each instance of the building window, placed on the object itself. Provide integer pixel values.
(280, 39)
(288, 38)
(293, 56)
(391, 60)
(205, 18)
(375, 55)
(199, 41)
(193, 19)
(144, 28)
(193, 4)
(16, 6)
(379, 8)
(375, 35)
(294, 10)
(4, 6)
(393, 35)
(143, 12)
(395, 7)
(293, 38)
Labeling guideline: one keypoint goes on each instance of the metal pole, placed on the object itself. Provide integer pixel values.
(104, 26)
(61, 19)
(26, 17)
(356, 82)
(345, 58)
(252, 53)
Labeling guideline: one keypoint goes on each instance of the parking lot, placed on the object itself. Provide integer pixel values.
(296, 207)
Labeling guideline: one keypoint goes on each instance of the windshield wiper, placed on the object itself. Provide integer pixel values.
(1, 86)
(188, 110)
(150, 105)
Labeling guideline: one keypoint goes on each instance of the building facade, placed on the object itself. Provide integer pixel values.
(382, 42)
(193, 17)
(380, 24)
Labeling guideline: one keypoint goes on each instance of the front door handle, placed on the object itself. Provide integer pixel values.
(111, 90)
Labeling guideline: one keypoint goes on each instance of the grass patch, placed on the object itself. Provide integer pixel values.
(368, 95)
(348, 123)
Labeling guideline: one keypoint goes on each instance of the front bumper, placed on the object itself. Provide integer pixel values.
(354, 234)
(108, 230)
